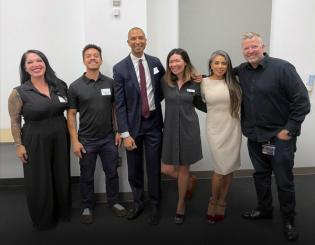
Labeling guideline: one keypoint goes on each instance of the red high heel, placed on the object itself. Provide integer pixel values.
(220, 217)
(210, 217)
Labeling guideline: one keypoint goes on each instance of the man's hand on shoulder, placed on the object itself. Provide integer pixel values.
(197, 77)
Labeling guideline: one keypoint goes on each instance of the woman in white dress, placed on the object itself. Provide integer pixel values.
(222, 94)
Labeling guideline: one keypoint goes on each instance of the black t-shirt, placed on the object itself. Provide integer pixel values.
(94, 101)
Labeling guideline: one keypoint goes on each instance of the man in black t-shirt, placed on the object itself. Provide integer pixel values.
(92, 95)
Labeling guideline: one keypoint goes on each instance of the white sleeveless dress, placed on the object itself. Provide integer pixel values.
(223, 131)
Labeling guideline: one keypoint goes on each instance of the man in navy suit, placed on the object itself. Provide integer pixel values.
(139, 117)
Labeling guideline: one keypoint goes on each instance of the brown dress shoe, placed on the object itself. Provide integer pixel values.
(119, 210)
(86, 218)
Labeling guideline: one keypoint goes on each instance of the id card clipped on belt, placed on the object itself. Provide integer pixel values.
(268, 149)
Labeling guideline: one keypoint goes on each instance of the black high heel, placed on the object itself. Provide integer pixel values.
(179, 219)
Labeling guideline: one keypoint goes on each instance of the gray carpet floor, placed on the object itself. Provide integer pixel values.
(16, 227)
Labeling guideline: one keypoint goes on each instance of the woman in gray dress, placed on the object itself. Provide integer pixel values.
(181, 135)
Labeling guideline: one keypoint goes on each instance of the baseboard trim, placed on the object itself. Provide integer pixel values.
(243, 173)
(20, 181)
(127, 196)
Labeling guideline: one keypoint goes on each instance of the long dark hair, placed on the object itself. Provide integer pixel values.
(231, 82)
(189, 71)
(50, 75)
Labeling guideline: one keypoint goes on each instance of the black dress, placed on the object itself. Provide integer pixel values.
(181, 134)
(46, 139)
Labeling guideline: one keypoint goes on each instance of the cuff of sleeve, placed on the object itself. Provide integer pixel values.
(124, 134)
(292, 127)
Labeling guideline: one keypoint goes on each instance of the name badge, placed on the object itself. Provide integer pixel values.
(105, 91)
(155, 70)
(268, 149)
(62, 100)
(189, 90)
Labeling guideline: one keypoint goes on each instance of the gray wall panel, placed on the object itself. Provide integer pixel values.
(208, 25)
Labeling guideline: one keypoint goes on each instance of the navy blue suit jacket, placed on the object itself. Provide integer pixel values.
(127, 93)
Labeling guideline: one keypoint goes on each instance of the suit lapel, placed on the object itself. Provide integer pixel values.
(134, 78)
(150, 65)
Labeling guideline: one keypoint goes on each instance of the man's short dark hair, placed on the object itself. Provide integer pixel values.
(91, 46)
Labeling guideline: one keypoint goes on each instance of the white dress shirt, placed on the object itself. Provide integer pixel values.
(150, 91)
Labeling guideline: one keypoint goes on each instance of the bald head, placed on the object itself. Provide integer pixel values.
(137, 41)
(135, 29)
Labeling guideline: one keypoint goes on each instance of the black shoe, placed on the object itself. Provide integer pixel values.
(154, 217)
(134, 213)
(289, 230)
(257, 214)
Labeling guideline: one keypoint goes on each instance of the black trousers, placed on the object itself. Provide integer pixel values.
(281, 164)
(47, 171)
(148, 143)
(108, 152)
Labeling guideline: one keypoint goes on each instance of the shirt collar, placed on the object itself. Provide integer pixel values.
(135, 59)
(28, 85)
(88, 80)
(263, 63)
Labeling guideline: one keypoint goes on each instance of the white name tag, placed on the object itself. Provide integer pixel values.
(155, 70)
(189, 90)
(61, 99)
(105, 91)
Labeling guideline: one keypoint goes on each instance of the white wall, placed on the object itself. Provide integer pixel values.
(54, 27)
(61, 29)
(110, 32)
(292, 39)
(162, 23)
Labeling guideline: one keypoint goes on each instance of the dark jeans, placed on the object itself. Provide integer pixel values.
(281, 164)
(107, 150)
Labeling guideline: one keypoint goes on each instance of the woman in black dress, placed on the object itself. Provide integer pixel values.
(42, 143)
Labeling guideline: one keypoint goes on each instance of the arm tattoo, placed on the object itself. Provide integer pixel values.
(15, 108)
